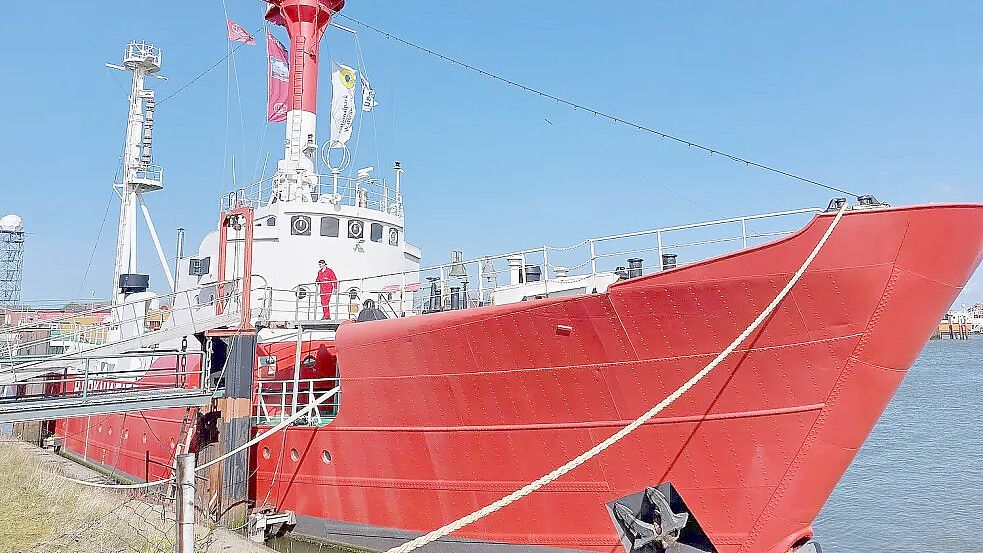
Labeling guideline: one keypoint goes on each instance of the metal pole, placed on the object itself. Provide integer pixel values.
(593, 259)
(185, 477)
(744, 231)
(300, 343)
(662, 263)
(443, 293)
(481, 284)
(546, 273)
(177, 256)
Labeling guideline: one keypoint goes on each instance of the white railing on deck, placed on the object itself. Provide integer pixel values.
(368, 193)
(436, 288)
(277, 400)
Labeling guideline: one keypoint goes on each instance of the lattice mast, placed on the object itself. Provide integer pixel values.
(140, 175)
(11, 260)
(305, 21)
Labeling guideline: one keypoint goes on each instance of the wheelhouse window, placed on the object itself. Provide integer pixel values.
(376, 232)
(199, 266)
(330, 226)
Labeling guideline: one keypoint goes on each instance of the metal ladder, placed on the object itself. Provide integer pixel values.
(296, 127)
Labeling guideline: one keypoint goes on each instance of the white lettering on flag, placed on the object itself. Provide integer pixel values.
(342, 103)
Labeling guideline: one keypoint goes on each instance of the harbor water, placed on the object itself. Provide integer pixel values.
(915, 484)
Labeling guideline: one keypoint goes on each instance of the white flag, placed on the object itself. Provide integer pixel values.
(342, 103)
(368, 95)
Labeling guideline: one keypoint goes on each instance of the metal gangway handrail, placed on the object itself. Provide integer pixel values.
(133, 315)
(100, 384)
(166, 299)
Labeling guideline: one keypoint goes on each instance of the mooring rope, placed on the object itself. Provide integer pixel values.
(617, 436)
(282, 425)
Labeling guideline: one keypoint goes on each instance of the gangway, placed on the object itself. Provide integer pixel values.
(138, 367)
(127, 330)
(134, 381)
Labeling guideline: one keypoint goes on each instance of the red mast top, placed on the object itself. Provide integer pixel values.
(305, 21)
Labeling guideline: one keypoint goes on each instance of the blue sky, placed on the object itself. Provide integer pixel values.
(879, 97)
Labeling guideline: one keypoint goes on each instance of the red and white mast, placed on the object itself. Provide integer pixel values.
(305, 21)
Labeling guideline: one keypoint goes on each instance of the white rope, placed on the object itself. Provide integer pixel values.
(614, 438)
(285, 423)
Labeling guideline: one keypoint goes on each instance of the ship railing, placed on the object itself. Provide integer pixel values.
(69, 334)
(351, 191)
(278, 400)
(548, 271)
(101, 377)
(304, 302)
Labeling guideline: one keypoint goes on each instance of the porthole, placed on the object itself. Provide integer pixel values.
(300, 225)
(325, 456)
(375, 232)
(266, 453)
(271, 221)
(393, 237)
(356, 229)
(294, 455)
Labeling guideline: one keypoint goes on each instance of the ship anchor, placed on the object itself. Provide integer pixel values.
(664, 528)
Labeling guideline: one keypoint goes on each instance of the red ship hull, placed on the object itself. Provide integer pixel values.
(445, 413)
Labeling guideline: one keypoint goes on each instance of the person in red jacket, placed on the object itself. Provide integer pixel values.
(327, 281)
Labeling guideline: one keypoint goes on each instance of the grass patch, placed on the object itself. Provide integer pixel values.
(40, 511)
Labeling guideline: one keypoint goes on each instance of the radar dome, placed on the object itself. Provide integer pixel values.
(11, 223)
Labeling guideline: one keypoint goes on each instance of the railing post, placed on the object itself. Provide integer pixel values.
(744, 231)
(85, 381)
(300, 341)
(443, 288)
(185, 477)
(546, 273)
(593, 259)
(481, 284)
(283, 400)
(662, 265)
(402, 295)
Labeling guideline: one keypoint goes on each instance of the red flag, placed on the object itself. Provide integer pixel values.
(238, 34)
(279, 78)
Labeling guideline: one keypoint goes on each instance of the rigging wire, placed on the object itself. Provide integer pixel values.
(205, 72)
(228, 94)
(613, 118)
(95, 246)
